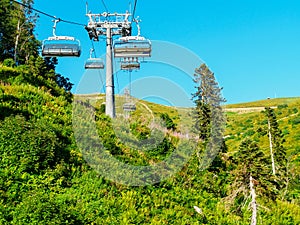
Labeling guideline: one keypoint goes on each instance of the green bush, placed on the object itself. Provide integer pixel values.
(169, 123)
(295, 121)
(295, 110)
(42, 207)
(283, 106)
(8, 73)
(249, 133)
(9, 63)
(29, 146)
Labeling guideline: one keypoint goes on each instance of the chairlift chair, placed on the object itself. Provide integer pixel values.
(130, 65)
(94, 63)
(132, 46)
(59, 46)
(129, 107)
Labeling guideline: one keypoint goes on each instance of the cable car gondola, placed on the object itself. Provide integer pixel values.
(59, 46)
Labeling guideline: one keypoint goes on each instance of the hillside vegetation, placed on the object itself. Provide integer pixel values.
(45, 180)
(56, 150)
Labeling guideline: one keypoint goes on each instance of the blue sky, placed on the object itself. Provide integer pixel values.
(252, 46)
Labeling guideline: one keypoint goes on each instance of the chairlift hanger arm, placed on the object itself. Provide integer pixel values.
(137, 21)
(54, 26)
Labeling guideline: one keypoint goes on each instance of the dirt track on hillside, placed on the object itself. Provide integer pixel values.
(247, 109)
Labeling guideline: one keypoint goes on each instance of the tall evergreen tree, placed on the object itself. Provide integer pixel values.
(278, 152)
(208, 115)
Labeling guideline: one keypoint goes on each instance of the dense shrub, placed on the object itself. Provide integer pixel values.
(283, 106)
(31, 147)
(295, 121)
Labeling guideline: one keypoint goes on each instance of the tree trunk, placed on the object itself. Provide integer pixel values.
(271, 148)
(17, 40)
(253, 202)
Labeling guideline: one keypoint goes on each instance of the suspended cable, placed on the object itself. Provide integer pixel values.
(129, 85)
(134, 8)
(99, 73)
(102, 83)
(46, 14)
(117, 78)
(104, 5)
(29, 7)
(94, 49)
(74, 23)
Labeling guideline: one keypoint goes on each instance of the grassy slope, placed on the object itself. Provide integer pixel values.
(95, 200)
(246, 125)
(240, 125)
(266, 103)
(181, 116)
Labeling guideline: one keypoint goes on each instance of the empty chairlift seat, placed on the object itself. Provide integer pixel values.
(132, 46)
(130, 66)
(59, 46)
(129, 107)
(94, 63)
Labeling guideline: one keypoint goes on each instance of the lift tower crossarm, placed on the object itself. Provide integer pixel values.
(108, 24)
(109, 21)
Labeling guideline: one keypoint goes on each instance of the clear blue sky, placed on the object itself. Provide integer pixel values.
(252, 46)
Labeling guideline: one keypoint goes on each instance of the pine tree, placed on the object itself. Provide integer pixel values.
(251, 176)
(208, 115)
(277, 151)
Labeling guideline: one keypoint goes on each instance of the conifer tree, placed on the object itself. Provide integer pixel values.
(251, 176)
(208, 115)
(277, 151)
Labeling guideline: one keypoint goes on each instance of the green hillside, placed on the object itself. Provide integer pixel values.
(244, 119)
(266, 103)
(45, 180)
(252, 123)
(64, 161)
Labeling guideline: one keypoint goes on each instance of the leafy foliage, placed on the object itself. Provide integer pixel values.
(44, 178)
(17, 39)
(170, 125)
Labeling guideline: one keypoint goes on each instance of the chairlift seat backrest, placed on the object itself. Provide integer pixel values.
(94, 63)
(130, 65)
(129, 107)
